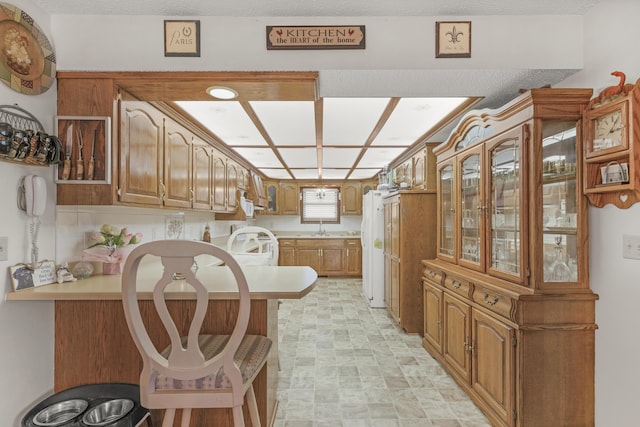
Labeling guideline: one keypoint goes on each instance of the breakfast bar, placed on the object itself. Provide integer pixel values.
(93, 343)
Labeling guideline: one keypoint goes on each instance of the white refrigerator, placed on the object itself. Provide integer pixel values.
(372, 236)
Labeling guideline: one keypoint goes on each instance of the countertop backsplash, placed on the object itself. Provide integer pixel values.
(292, 223)
(74, 224)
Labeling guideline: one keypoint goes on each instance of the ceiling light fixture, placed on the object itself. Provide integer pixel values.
(222, 92)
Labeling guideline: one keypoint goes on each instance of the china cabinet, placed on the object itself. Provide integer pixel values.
(508, 310)
(612, 141)
(409, 220)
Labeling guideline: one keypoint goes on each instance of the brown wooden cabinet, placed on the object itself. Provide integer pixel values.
(233, 197)
(433, 315)
(201, 177)
(351, 198)
(510, 282)
(289, 198)
(410, 236)
(327, 256)
(272, 193)
(156, 161)
(287, 252)
(258, 190)
(353, 257)
(141, 154)
(177, 165)
(219, 174)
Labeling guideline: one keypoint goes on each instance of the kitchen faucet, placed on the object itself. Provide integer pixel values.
(321, 232)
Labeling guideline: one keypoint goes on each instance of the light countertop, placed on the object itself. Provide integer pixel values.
(265, 282)
(314, 235)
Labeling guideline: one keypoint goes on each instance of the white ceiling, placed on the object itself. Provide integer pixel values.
(350, 142)
(343, 145)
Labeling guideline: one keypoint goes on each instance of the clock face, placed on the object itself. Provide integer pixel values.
(608, 131)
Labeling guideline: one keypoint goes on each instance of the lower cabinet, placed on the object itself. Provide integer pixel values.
(327, 256)
(525, 360)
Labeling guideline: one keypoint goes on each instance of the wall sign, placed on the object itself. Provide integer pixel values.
(181, 38)
(316, 37)
(24, 276)
(453, 39)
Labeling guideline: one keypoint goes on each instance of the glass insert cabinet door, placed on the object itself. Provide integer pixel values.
(446, 232)
(559, 202)
(505, 202)
(471, 210)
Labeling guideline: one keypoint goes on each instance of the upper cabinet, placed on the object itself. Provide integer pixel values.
(201, 176)
(289, 198)
(177, 184)
(258, 190)
(351, 198)
(509, 200)
(612, 142)
(141, 154)
(273, 197)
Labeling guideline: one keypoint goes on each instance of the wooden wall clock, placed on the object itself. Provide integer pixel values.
(611, 141)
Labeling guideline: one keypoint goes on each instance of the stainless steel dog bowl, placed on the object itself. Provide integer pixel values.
(60, 413)
(107, 412)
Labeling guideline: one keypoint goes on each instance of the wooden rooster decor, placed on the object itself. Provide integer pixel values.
(610, 92)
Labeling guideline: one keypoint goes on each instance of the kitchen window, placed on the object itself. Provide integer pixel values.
(320, 205)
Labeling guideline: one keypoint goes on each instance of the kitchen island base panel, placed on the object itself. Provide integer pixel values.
(93, 345)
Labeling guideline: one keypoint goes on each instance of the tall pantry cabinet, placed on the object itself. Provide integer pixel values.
(410, 236)
(508, 308)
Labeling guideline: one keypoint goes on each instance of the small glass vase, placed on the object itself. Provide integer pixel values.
(109, 268)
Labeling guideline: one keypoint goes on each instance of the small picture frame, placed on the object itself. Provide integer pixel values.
(453, 39)
(23, 276)
(182, 38)
(86, 150)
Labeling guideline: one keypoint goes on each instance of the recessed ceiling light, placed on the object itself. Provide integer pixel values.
(222, 92)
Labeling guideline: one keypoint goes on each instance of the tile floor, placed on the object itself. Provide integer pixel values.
(344, 364)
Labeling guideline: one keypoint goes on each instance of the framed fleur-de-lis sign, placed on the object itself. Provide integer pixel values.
(453, 39)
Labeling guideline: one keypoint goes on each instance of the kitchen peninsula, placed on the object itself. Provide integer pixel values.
(93, 343)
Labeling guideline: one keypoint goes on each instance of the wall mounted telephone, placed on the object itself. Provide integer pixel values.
(32, 198)
(32, 195)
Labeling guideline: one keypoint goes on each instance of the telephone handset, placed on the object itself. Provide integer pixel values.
(32, 196)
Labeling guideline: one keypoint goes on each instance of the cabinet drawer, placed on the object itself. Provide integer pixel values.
(496, 302)
(433, 275)
(458, 286)
(287, 242)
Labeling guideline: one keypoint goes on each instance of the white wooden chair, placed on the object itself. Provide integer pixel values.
(249, 246)
(195, 371)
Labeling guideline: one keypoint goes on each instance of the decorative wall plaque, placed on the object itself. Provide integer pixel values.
(181, 38)
(316, 37)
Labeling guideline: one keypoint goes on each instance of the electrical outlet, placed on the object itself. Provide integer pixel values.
(4, 248)
(630, 246)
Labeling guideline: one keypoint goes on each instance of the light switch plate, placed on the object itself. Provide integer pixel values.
(630, 246)
(4, 248)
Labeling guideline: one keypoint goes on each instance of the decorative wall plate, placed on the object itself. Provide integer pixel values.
(27, 59)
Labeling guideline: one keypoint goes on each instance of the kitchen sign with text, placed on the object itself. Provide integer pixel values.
(316, 37)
